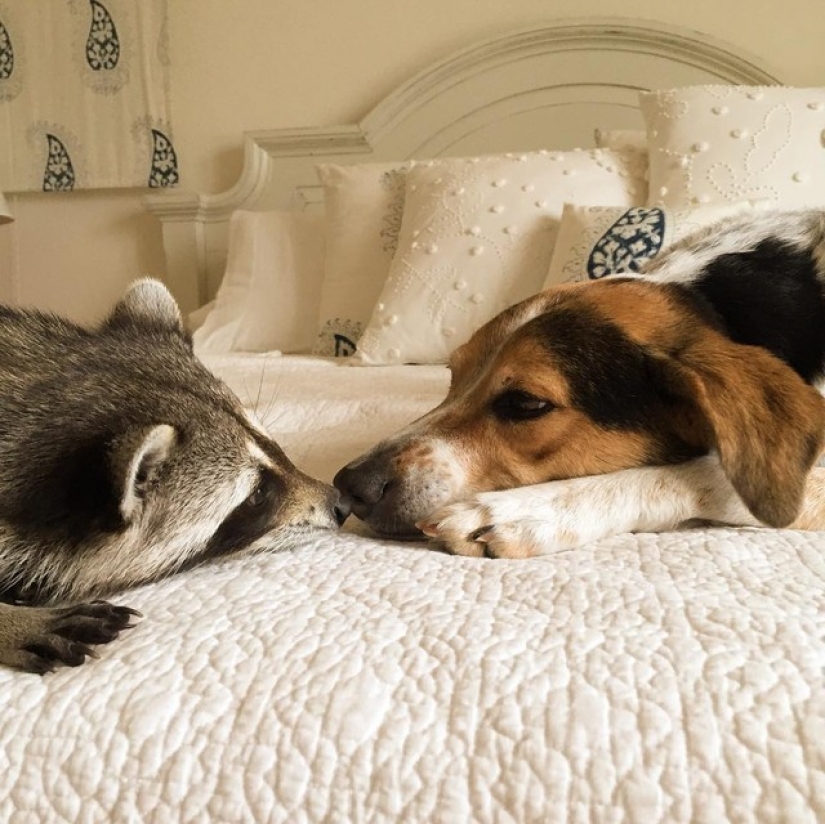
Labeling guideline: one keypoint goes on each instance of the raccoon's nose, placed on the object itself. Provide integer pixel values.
(363, 484)
(341, 509)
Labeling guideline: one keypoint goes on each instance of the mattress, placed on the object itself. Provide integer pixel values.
(675, 677)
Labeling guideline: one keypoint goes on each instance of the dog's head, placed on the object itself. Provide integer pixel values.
(592, 378)
(140, 462)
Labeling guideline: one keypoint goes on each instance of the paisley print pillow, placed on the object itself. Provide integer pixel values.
(598, 241)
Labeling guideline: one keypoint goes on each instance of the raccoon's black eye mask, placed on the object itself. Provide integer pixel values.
(250, 520)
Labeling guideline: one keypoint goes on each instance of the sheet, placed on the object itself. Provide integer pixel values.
(644, 678)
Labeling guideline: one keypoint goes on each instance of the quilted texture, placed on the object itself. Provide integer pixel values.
(643, 678)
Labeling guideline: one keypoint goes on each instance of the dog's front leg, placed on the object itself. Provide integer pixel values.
(545, 518)
(37, 639)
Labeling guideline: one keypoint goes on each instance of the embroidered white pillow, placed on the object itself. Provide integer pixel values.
(268, 298)
(363, 206)
(476, 236)
(598, 241)
(722, 144)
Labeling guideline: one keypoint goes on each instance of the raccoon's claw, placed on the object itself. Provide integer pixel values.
(117, 609)
(50, 651)
(47, 638)
(98, 622)
(88, 630)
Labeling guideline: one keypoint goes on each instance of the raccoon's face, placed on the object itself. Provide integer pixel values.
(199, 493)
(153, 465)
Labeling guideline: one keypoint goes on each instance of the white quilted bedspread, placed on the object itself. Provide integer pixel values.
(674, 678)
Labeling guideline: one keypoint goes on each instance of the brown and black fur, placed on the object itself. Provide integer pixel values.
(718, 347)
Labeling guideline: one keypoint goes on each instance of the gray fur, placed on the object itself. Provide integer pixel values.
(123, 460)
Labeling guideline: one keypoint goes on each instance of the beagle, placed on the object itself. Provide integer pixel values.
(630, 404)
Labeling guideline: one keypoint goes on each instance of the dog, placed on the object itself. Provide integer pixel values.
(124, 460)
(637, 403)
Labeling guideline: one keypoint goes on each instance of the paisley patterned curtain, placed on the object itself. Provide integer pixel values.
(84, 100)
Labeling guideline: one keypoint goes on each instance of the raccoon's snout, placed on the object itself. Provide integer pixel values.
(329, 509)
(341, 508)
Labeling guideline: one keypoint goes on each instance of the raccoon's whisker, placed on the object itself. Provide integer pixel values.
(274, 396)
(260, 384)
(269, 405)
(247, 401)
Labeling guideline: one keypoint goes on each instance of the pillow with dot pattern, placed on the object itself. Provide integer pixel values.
(598, 241)
(476, 236)
(722, 144)
(363, 203)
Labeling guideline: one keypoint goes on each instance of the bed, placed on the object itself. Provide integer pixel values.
(674, 677)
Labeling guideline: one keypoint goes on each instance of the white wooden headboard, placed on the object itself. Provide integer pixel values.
(548, 87)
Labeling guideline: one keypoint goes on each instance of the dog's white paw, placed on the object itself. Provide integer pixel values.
(516, 523)
(559, 515)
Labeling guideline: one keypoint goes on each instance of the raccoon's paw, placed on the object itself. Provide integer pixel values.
(38, 640)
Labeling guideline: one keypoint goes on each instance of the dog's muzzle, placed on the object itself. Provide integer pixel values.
(384, 498)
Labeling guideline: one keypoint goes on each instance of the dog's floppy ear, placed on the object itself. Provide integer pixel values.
(766, 424)
(134, 457)
(147, 304)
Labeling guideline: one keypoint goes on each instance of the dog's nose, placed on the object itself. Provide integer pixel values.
(363, 483)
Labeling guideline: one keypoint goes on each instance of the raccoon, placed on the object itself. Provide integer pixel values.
(124, 460)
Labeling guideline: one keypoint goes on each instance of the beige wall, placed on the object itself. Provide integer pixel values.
(261, 64)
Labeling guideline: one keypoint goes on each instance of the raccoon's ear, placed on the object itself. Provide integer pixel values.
(134, 458)
(148, 304)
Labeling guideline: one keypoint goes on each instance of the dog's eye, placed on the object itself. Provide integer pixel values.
(515, 405)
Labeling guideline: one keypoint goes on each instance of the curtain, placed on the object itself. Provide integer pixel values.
(84, 99)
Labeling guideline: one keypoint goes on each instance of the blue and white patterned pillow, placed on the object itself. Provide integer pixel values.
(633, 239)
(598, 241)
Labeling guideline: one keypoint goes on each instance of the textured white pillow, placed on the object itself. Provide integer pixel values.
(597, 241)
(717, 144)
(620, 139)
(269, 295)
(363, 205)
(477, 236)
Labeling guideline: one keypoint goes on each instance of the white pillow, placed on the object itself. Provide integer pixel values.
(620, 139)
(722, 144)
(363, 205)
(477, 236)
(597, 241)
(269, 295)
